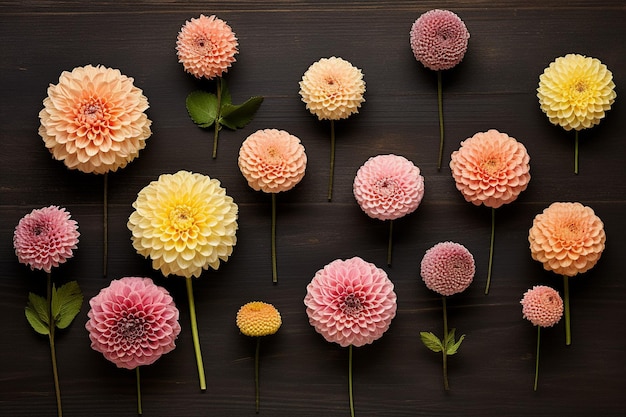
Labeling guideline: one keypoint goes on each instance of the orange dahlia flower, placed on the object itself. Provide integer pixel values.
(93, 119)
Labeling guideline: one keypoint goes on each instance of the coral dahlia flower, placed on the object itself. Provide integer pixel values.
(542, 306)
(257, 318)
(490, 168)
(567, 238)
(93, 119)
(45, 238)
(133, 322)
(350, 302)
(206, 46)
(447, 268)
(332, 88)
(184, 222)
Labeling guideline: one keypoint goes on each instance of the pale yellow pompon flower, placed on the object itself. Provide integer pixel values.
(185, 223)
(258, 319)
(575, 91)
(332, 88)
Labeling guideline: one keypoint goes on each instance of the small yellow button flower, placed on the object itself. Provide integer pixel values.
(258, 319)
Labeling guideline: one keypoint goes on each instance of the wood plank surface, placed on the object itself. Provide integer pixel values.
(302, 374)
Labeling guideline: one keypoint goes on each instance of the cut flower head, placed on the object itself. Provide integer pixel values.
(447, 268)
(542, 306)
(257, 318)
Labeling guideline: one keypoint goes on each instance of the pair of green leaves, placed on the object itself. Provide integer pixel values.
(65, 305)
(433, 343)
(205, 109)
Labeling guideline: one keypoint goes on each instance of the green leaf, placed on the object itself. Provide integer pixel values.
(237, 116)
(225, 97)
(431, 341)
(451, 349)
(66, 303)
(37, 313)
(202, 108)
(450, 338)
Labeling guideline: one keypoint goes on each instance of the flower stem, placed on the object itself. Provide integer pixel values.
(568, 332)
(139, 409)
(351, 397)
(332, 160)
(256, 374)
(440, 105)
(444, 351)
(217, 117)
(493, 235)
(390, 244)
(537, 358)
(274, 268)
(105, 225)
(194, 333)
(576, 152)
(51, 327)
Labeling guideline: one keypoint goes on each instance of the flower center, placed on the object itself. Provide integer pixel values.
(386, 186)
(352, 305)
(491, 165)
(130, 327)
(273, 156)
(39, 229)
(181, 218)
(92, 111)
(203, 46)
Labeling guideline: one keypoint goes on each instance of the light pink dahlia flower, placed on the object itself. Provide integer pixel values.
(272, 160)
(542, 306)
(439, 39)
(448, 268)
(388, 187)
(490, 168)
(45, 238)
(350, 302)
(206, 46)
(133, 322)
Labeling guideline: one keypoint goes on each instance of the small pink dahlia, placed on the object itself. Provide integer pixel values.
(439, 39)
(542, 306)
(388, 187)
(448, 268)
(206, 47)
(133, 322)
(350, 302)
(45, 238)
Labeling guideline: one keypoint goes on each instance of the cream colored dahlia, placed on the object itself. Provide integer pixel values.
(332, 88)
(575, 91)
(93, 119)
(184, 222)
(567, 238)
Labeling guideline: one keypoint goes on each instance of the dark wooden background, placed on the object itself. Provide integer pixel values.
(303, 375)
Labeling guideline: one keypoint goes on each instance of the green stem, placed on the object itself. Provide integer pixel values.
(493, 235)
(105, 225)
(390, 243)
(53, 354)
(576, 152)
(274, 268)
(537, 357)
(256, 374)
(139, 409)
(350, 381)
(444, 351)
(217, 117)
(568, 332)
(194, 333)
(440, 105)
(332, 160)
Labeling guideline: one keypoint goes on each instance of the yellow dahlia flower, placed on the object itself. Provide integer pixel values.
(93, 119)
(185, 223)
(575, 91)
(258, 319)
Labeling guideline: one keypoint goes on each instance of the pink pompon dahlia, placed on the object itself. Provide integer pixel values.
(133, 322)
(542, 306)
(448, 268)
(350, 302)
(439, 39)
(567, 238)
(206, 46)
(491, 168)
(45, 238)
(272, 160)
(388, 187)
(93, 119)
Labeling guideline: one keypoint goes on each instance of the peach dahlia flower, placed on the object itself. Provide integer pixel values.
(542, 306)
(490, 168)
(93, 119)
(206, 46)
(332, 88)
(567, 238)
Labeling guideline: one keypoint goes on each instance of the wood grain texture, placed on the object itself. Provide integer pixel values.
(301, 374)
